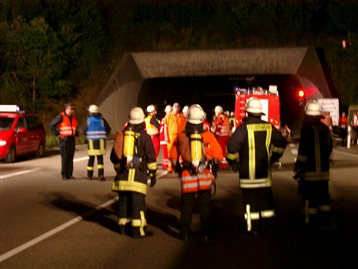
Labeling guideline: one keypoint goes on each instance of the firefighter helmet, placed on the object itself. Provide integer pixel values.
(254, 106)
(151, 108)
(93, 109)
(313, 109)
(218, 110)
(136, 115)
(185, 110)
(168, 109)
(196, 114)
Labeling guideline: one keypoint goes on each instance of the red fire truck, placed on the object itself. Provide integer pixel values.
(269, 99)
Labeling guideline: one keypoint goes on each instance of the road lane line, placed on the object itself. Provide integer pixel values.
(80, 159)
(58, 229)
(19, 173)
(345, 153)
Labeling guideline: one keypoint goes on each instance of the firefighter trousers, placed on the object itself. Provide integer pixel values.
(131, 210)
(187, 208)
(90, 166)
(259, 210)
(316, 203)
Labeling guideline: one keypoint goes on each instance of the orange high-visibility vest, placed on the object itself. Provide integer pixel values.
(68, 127)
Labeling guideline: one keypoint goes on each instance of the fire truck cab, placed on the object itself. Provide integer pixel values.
(269, 99)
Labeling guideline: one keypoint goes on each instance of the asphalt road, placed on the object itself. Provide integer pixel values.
(47, 222)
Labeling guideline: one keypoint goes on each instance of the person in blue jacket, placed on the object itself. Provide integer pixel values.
(96, 132)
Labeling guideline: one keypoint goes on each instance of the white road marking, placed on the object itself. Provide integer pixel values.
(80, 159)
(19, 173)
(58, 229)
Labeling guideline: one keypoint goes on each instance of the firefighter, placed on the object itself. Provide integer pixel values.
(67, 133)
(312, 167)
(133, 156)
(175, 122)
(199, 151)
(152, 125)
(96, 132)
(252, 149)
(222, 130)
(163, 133)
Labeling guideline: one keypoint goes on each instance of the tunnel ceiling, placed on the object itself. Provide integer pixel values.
(130, 79)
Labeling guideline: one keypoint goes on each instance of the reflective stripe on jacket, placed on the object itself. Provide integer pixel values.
(95, 128)
(193, 183)
(256, 143)
(68, 126)
(199, 181)
(222, 126)
(314, 151)
(150, 128)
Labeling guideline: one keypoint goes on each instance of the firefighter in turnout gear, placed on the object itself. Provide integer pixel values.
(133, 156)
(252, 149)
(200, 153)
(312, 168)
(96, 132)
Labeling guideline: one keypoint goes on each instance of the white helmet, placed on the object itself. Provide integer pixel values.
(136, 115)
(218, 110)
(93, 109)
(196, 114)
(150, 108)
(168, 109)
(185, 110)
(254, 106)
(313, 109)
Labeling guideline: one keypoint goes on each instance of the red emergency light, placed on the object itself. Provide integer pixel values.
(301, 93)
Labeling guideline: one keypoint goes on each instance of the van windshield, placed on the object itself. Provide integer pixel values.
(6, 123)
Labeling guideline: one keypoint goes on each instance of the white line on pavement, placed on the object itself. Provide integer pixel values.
(58, 229)
(19, 173)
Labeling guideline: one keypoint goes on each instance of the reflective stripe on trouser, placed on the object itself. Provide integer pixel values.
(139, 224)
(90, 166)
(312, 211)
(255, 216)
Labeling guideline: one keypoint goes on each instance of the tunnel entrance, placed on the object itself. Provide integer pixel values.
(210, 91)
(208, 77)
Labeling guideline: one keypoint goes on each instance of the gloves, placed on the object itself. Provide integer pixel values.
(153, 181)
(234, 164)
(189, 167)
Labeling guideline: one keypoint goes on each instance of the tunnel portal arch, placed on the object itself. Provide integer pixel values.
(130, 83)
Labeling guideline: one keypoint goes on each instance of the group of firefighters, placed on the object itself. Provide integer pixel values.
(196, 150)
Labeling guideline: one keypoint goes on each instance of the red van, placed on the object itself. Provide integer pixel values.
(20, 134)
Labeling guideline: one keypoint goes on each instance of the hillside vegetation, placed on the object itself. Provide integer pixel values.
(55, 51)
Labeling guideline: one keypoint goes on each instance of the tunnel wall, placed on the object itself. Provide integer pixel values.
(121, 92)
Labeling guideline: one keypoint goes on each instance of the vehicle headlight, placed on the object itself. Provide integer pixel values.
(2, 143)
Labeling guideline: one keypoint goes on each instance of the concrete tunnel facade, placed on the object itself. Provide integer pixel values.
(123, 88)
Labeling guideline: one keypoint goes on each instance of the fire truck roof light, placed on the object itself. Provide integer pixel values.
(301, 93)
(10, 108)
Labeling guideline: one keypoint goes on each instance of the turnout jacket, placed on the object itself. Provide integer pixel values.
(133, 177)
(96, 131)
(257, 144)
(191, 179)
(314, 150)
